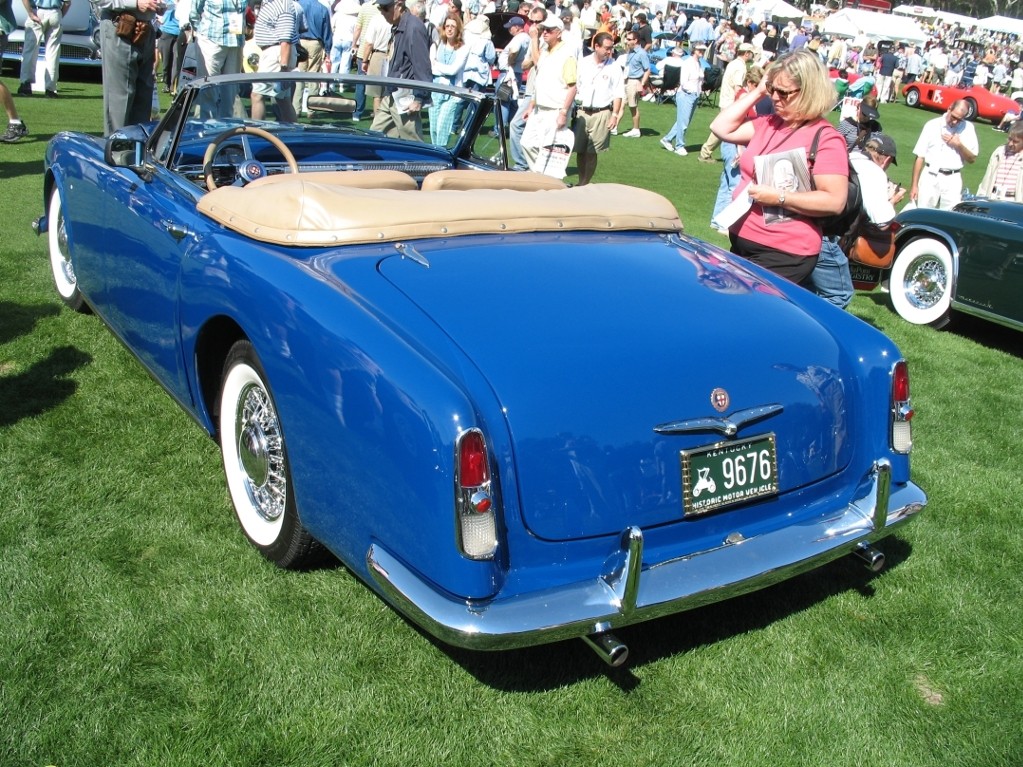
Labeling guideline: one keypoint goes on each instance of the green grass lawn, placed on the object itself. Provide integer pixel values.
(139, 628)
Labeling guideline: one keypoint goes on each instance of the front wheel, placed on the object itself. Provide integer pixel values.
(920, 283)
(60, 255)
(256, 463)
(912, 97)
(971, 109)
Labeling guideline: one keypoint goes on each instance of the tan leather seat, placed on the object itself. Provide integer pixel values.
(354, 179)
(471, 180)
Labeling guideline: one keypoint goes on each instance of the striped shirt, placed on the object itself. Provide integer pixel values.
(275, 24)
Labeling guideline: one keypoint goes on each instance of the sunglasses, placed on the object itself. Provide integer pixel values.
(781, 93)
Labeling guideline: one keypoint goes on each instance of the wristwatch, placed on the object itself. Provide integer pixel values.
(781, 199)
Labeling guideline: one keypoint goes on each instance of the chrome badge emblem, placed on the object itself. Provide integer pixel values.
(719, 399)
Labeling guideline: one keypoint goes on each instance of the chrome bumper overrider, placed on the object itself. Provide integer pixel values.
(626, 592)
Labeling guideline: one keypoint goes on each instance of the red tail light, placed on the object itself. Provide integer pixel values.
(902, 410)
(473, 469)
(900, 382)
(474, 502)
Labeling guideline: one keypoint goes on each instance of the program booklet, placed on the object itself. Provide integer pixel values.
(786, 171)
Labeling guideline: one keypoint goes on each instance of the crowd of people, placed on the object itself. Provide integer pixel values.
(574, 69)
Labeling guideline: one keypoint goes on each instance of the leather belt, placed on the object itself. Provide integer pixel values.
(594, 110)
(943, 171)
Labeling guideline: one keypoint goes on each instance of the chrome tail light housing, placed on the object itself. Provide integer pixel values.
(902, 410)
(474, 500)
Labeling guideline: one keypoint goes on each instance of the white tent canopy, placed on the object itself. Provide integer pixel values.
(852, 22)
(1002, 24)
(956, 18)
(765, 10)
(920, 11)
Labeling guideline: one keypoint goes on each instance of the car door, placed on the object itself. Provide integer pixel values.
(991, 270)
(149, 228)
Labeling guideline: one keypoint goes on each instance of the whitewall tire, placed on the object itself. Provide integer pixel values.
(921, 282)
(64, 279)
(256, 462)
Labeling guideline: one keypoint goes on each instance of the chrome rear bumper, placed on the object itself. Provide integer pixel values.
(626, 592)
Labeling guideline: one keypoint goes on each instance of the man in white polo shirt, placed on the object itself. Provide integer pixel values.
(946, 143)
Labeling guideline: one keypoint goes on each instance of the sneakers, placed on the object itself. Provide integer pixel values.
(614, 131)
(14, 132)
(51, 94)
(25, 89)
(667, 145)
(634, 133)
(681, 151)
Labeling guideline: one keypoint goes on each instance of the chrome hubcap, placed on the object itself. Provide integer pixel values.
(925, 282)
(63, 261)
(261, 453)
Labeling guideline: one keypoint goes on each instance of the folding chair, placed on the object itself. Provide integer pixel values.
(712, 77)
(666, 85)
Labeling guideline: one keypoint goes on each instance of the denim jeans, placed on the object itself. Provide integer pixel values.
(360, 93)
(831, 278)
(518, 127)
(685, 106)
(729, 178)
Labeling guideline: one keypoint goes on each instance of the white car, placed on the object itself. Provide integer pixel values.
(80, 43)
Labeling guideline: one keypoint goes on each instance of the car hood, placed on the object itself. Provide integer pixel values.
(590, 342)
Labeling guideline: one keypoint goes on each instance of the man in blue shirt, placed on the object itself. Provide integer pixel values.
(315, 38)
(637, 75)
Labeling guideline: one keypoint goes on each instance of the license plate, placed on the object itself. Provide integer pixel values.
(863, 274)
(728, 473)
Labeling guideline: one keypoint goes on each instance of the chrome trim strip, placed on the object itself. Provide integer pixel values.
(627, 593)
(984, 314)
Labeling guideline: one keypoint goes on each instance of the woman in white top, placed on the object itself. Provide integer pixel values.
(343, 31)
(448, 60)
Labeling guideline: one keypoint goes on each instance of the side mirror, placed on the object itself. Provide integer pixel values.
(126, 148)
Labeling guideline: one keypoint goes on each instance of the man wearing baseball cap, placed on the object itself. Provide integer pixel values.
(831, 278)
(554, 87)
(855, 129)
(400, 110)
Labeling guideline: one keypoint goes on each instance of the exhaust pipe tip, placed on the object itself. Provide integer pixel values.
(871, 557)
(609, 647)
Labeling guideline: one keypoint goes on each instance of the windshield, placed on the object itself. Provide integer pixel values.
(421, 129)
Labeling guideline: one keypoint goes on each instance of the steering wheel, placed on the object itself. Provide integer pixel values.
(211, 150)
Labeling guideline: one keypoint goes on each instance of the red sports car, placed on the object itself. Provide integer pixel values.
(983, 103)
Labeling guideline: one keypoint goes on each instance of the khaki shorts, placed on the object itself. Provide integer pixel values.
(270, 61)
(592, 132)
(375, 67)
(633, 91)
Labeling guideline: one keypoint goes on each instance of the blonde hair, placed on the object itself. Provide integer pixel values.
(817, 95)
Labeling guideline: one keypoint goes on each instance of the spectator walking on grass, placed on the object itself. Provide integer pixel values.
(44, 23)
(600, 92)
(688, 93)
(129, 55)
(637, 75)
(15, 127)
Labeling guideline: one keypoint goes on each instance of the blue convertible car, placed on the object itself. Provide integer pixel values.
(519, 411)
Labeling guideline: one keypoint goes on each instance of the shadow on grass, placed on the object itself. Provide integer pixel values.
(19, 319)
(44, 384)
(551, 666)
(29, 167)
